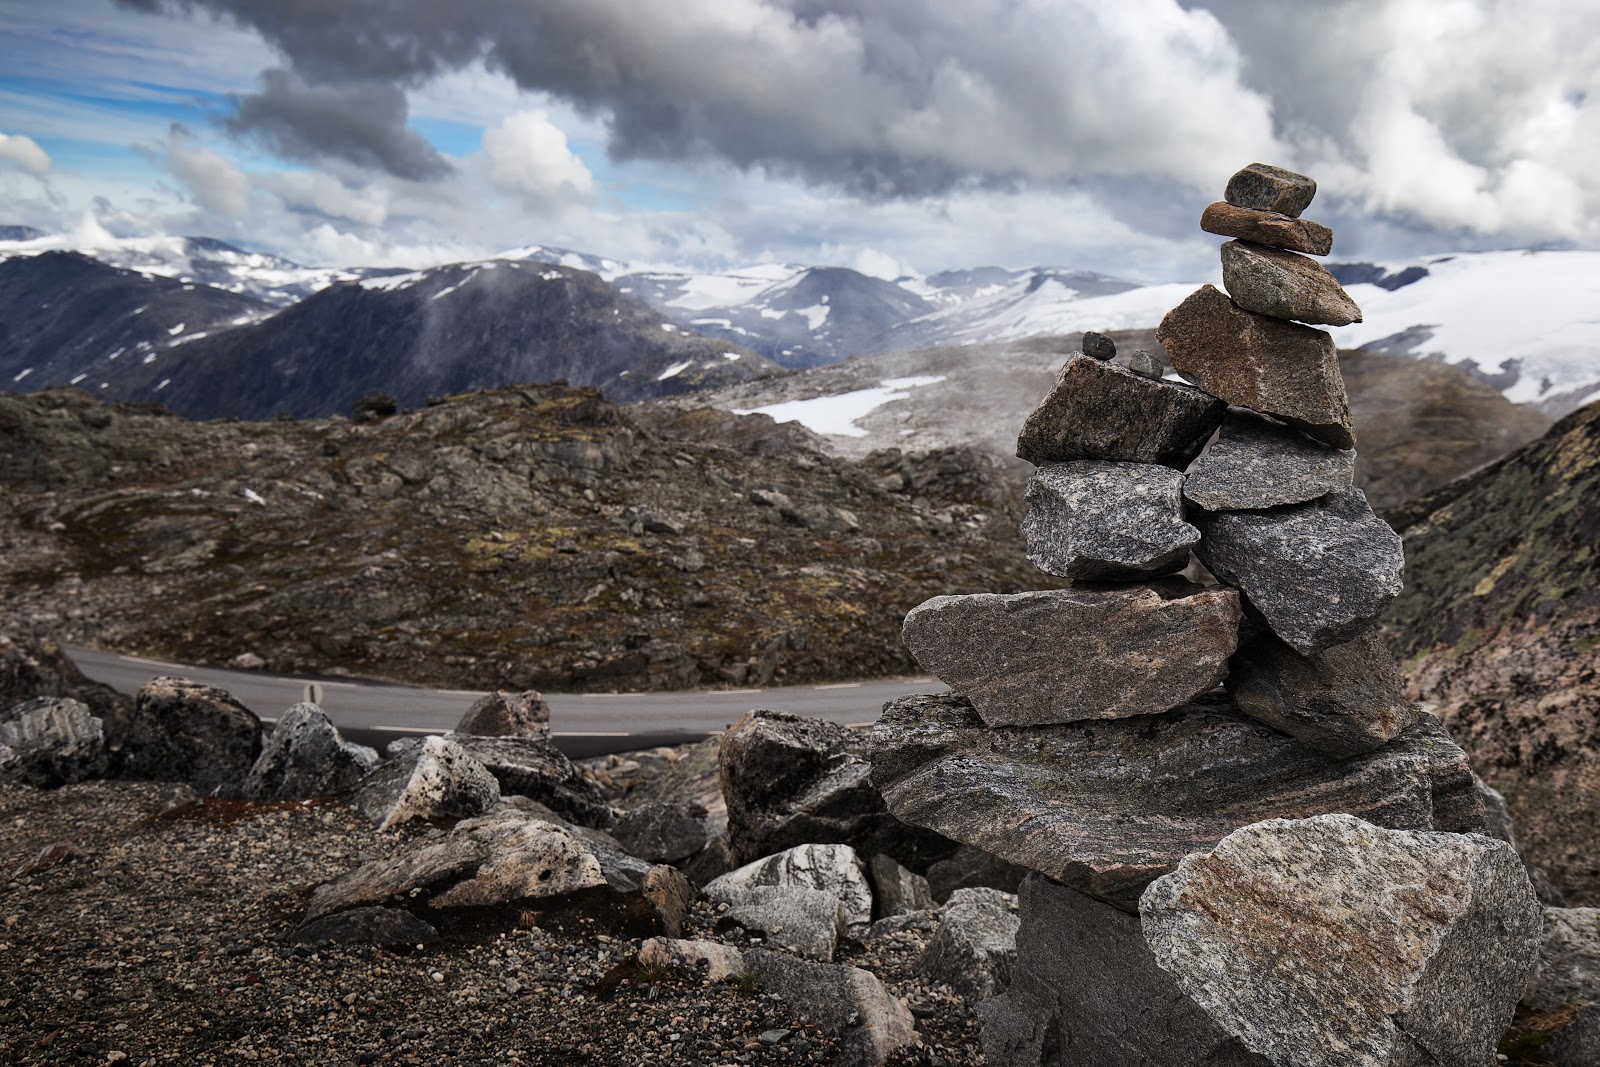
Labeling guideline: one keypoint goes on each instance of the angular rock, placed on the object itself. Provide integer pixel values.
(1345, 700)
(52, 741)
(1285, 285)
(1265, 364)
(185, 732)
(500, 714)
(1099, 520)
(1144, 363)
(1568, 964)
(1098, 346)
(895, 890)
(664, 832)
(30, 668)
(1103, 411)
(1106, 806)
(535, 768)
(1318, 573)
(975, 946)
(388, 927)
(833, 869)
(1497, 819)
(1576, 1044)
(1262, 187)
(1111, 653)
(1255, 463)
(847, 1003)
(971, 867)
(809, 922)
(437, 780)
(305, 757)
(1085, 989)
(1329, 942)
(1267, 228)
(713, 861)
(713, 960)
(788, 780)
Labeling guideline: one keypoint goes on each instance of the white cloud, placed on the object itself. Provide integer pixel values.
(216, 185)
(527, 155)
(23, 152)
(323, 194)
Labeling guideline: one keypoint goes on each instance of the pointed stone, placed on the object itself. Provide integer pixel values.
(305, 757)
(1329, 942)
(1255, 463)
(1285, 285)
(436, 780)
(1276, 367)
(1318, 573)
(1262, 187)
(1099, 520)
(1104, 411)
(1062, 655)
(1267, 228)
(182, 731)
(500, 714)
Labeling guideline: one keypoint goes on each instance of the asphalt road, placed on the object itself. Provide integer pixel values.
(582, 724)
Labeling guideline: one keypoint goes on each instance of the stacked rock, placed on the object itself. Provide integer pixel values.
(1121, 731)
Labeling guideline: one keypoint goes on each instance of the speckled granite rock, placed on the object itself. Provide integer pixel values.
(533, 767)
(305, 757)
(975, 946)
(1263, 187)
(52, 741)
(833, 869)
(1100, 520)
(1255, 463)
(1568, 970)
(1576, 1044)
(1062, 655)
(1285, 285)
(806, 921)
(1097, 345)
(1319, 573)
(1267, 228)
(436, 780)
(524, 714)
(181, 731)
(1329, 942)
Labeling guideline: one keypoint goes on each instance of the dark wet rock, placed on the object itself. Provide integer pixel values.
(1085, 989)
(832, 869)
(664, 832)
(1285, 285)
(1319, 573)
(533, 767)
(1259, 362)
(524, 714)
(1568, 969)
(51, 741)
(1255, 463)
(1098, 346)
(304, 757)
(809, 922)
(968, 867)
(388, 927)
(34, 668)
(895, 890)
(436, 780)
(1062, 655)
(1577, 1044)
(1267, 228)
(1107, 806)
(871, 1022)
(789, 780)
(1099, 520)
(1103, 411)
(1329, 941)
(185, 732)
(1263, 187)
(975, 946)
(1344, 700)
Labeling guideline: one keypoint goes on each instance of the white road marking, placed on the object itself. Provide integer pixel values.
(591, 733)
(392, 729)
(463, 693)
(339, 685)
(839, 685)
(152, 662)
(602, 696)
(732, 692)
(860, 725)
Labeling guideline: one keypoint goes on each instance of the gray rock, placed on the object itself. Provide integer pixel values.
(1497, 819)
(535, 768)
(809, 922)
(971, 867)
(712, 960)
(438, 780)
(975, 946)
(185, 732)
(1319, 573)
(1100, 520)
(869, 1022)
(1285, 285)
(1576, 1044)
(30, 668)
(1145, 363)
(664, 832)
(1568, 966)
(1098, 346)
(1259, 362)
(1106, 806)
(1112, 653)
(1085, 989)
(1267, 228)
(388, 927)
(713, 861)
(1102, 411)
(499, 714)
(833, 869)
(1344, 700)
(305, 757)
(1262, 187)
(52, 741)
(895, 890)
(1255, 463)
(1329, 942)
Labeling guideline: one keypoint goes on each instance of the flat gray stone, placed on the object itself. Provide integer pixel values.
(436, 780)
(1344, 700)
(809, 922)
(1106, 806)
(975, 946)
(1568, 966)
(1100, 520)
(305, 757)
(1330, 942)
(52, 741)
(1318, 573)
(181, 731)
(1267, 228)
(1275, 367)
(1100, 410)
(1062, 655)
(1085, 990)
(1263, 187)
(1285, 285)
(1256, 463)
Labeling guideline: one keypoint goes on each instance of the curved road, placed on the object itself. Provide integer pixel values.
(582, 724)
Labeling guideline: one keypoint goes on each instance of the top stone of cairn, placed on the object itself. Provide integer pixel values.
(1261, 187)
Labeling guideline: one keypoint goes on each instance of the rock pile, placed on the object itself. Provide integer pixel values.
(1228, 808)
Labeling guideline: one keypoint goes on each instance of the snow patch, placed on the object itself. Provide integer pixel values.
(164, 383)
(176, 330)
(252, 496)
(815, 315)
(24, 373)
(674, 370)
(837, 414)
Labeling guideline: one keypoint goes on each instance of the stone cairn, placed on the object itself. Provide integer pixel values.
(1247, 846)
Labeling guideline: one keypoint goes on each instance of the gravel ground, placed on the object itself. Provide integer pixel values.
(151, 930)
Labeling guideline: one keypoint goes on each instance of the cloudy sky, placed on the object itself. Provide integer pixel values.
(889, 135)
